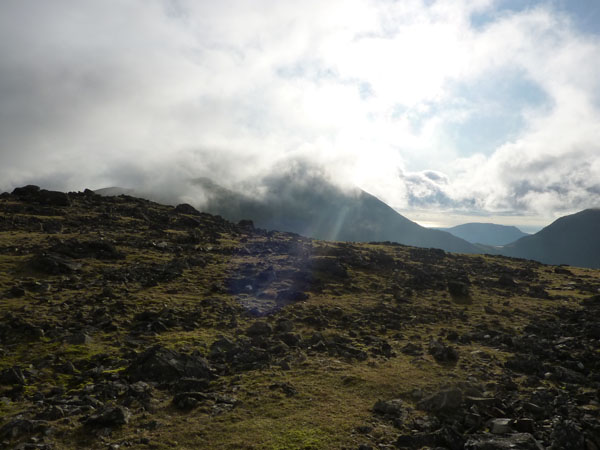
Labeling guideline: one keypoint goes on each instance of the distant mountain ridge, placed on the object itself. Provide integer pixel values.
(486, 233)
(572, 239)
(321, 210)
(315, 208)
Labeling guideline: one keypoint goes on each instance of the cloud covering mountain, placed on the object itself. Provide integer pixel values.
(480, 105)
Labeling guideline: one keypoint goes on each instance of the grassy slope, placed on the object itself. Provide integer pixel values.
(334, 395)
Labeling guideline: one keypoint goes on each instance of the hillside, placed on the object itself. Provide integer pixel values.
(573, 239)
(486, 233)
(129, 324)
(315, 208)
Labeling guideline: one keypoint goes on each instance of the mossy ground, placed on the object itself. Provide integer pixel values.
(334, 395)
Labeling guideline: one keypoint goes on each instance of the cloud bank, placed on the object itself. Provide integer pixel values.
(456, 105)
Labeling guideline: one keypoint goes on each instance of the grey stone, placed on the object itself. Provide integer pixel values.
(445, 400)
(521, 441)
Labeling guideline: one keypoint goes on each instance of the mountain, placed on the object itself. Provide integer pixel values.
(125, 323)
(318, 209)
(114, 190)
(486, 233)
(573, 240)
(313, 207)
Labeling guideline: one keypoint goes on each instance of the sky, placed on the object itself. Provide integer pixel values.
(447, 110)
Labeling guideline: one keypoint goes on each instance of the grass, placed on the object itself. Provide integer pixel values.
(334, 396)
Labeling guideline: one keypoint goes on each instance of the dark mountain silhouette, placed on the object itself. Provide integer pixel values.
(316, 208)
(311, 206)
(486, 233)
(573, 240)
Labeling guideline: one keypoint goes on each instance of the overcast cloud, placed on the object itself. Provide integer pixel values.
(457, 105)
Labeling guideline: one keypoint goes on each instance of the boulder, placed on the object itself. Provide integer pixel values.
(52, 264)
(110, 416)
(53, 198)
(185, 208)
(163, 365)
(78, 339)
(522, 441)
(26, 191)
(259, 328)
(394, 407)
(442, 353)
(12, 376)
(443, 401)
(97, 249)
(458, 288)
(445, 437)
(500, 426)
(246, 224)
(18, 427)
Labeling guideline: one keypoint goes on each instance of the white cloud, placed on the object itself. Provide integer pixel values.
(152, 93)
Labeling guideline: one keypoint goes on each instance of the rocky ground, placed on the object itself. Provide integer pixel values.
(128, 324)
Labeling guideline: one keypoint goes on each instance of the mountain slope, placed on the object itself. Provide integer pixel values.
(318, 209)
(486, 233)
(313, 207)
(573, 239)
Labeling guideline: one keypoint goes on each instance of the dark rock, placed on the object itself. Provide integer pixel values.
(189, 400)
(18, 427)
(192, 385)
(506, 281)
(443, 438)
(246, 224)
(524, 425)
(259, 328)
(51, 413)
(99, 249)
(458, 289)
(566, 375)
(110, 416)
(328, 268)
(54, 264)
(284, 326)
(290, 339)
(164, 365)
(53, 198)
(16, 292)
(442, 353)
(522, 441)
(412, 349)
(26, 191)
(185, 208)
(394, 407)
(567, 435)
(34, 194)
(78, 339)
(527, 364)
(286, 388)
(223, 349)
(12, 376)
(445, 400)
(52, 226)
(538, 292)
(562, 271)
(291, 296)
